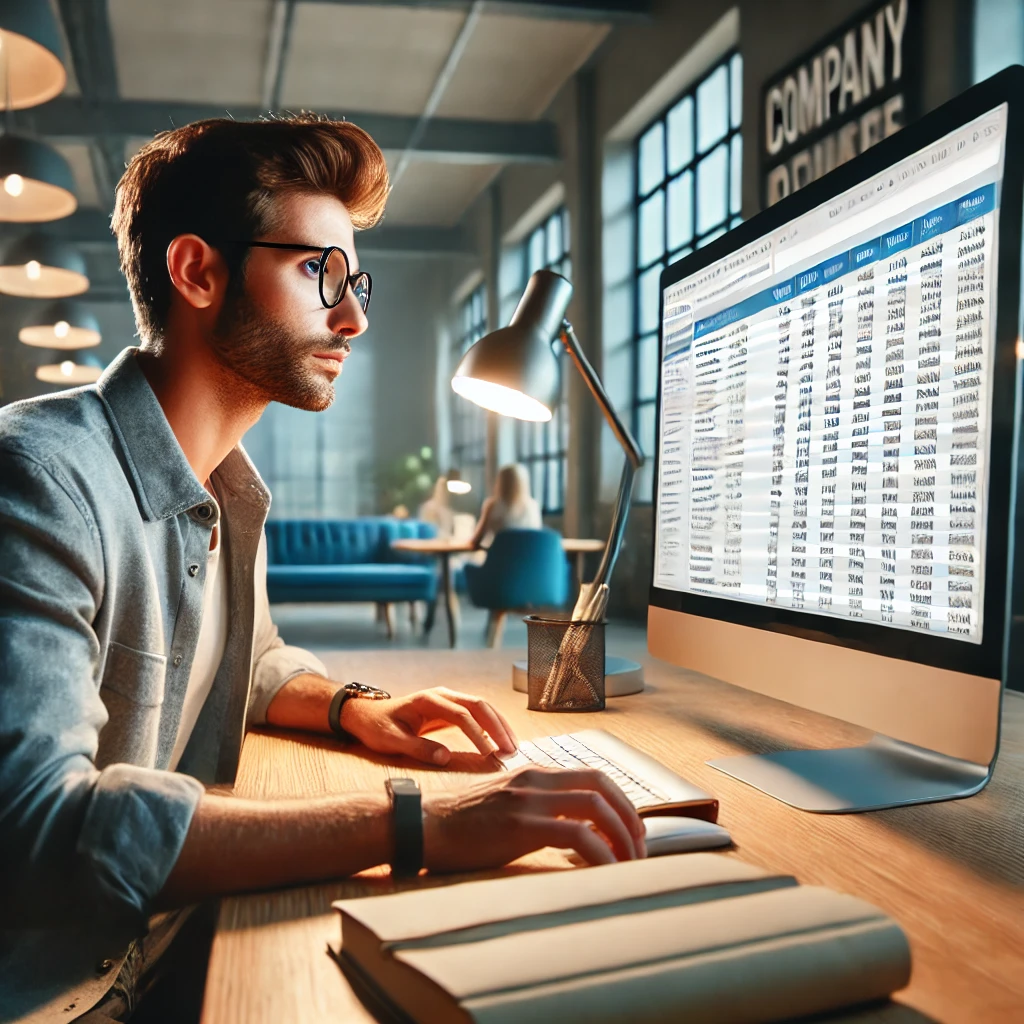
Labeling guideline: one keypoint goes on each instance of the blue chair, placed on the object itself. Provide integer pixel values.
(524, 570)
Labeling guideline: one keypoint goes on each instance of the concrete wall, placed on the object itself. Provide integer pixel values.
(599, 113)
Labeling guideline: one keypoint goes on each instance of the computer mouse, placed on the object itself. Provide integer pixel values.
(679, 835)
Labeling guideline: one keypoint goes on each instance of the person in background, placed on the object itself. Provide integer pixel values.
(511, 507)
(437, 509)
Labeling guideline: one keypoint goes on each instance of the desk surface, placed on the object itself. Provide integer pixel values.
(444, 546)
(951, 874)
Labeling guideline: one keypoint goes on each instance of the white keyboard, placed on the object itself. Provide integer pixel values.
(646, 782)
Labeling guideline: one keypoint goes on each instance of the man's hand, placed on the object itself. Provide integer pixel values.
(397, 726)
(497, 821)
(239, 845)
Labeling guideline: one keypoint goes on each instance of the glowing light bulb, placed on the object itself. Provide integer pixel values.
(502, 400)
(14, 184)
(61, 328)
(67, 367)
(33, 270)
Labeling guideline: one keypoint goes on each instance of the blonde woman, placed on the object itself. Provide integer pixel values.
(511, 507)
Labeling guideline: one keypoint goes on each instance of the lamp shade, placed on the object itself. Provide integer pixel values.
(86, 370)
(36, 182)
(514, 371)
(38, 266)
(62, 325)
(30, 54)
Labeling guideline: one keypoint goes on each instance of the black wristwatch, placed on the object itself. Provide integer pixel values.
(347, 691)
(407, 816)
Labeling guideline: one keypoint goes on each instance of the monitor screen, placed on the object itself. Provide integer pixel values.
(825, 406)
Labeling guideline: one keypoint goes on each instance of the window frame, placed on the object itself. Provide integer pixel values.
(546, 445)
(643, 493)
(468, 449)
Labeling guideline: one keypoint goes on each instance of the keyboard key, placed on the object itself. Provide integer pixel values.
(511, 762)
(568, 752)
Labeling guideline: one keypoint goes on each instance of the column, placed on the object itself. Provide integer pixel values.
(927, 399)
(800, 572)
(779, 492)
(972, 289)
(732, 454)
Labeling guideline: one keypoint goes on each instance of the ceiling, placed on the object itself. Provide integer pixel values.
(487, 72)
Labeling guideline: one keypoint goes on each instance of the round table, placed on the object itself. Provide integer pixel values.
(443, 549)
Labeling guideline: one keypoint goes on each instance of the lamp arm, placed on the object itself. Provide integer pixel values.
(634, 457)
(622, 434)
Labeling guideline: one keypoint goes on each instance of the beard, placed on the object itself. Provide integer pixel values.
(272, 358)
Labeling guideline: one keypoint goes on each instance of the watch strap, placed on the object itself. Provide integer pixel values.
(334, 714)
(345, 692)
(407, 819)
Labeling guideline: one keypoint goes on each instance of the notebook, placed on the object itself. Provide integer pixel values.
(696, 937)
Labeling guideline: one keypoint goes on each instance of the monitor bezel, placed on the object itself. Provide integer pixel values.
(984, 659)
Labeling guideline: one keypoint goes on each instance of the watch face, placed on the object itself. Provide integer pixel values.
(363, 690)
(404, 787)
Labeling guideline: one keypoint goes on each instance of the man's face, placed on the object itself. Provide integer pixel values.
(274, 332)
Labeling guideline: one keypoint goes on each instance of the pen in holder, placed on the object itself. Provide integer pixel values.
(566, 664)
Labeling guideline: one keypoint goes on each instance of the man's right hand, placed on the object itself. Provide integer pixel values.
(238, 845)
(495, 822)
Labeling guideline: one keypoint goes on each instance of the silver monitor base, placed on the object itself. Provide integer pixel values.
(882, 773)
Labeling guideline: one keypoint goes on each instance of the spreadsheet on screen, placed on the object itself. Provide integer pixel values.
(826, 402)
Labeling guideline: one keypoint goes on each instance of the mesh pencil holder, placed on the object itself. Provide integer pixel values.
(566, 665)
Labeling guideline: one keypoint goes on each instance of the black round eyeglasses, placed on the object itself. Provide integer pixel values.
(335, 276)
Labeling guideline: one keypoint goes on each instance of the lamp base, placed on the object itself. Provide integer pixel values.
(621, 676)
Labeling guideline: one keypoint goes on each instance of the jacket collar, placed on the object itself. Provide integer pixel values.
(164, 482)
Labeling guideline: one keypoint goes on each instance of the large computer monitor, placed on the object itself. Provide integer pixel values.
(836, 457)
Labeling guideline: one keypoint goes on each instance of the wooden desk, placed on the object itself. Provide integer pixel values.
(952, 874)
(443, 549)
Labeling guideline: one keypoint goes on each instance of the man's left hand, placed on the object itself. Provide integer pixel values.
(397, 725)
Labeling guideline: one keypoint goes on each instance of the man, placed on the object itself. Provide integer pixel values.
(135, 637)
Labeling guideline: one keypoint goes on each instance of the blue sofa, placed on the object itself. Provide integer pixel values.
(348, 560)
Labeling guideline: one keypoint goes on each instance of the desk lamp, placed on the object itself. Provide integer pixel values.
(514, 372)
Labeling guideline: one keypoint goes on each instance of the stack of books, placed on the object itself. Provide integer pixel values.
(696, 937)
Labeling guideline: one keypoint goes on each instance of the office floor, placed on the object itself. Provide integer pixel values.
(354, 627)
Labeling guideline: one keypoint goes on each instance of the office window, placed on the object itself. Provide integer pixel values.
(542, 447)
(469, 421)
(688, 172)
(998, 32)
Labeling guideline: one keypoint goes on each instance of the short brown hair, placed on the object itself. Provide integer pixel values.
(218, 179)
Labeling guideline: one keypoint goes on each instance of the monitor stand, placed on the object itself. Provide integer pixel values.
(882, 773)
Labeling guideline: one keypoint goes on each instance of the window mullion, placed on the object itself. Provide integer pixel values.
(641, 401)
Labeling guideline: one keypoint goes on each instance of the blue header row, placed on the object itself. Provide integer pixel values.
(932, 224)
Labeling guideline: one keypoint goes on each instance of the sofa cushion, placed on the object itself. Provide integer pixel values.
(367, 582)
(343, 541)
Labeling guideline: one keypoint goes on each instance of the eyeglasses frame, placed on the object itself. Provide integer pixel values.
(325, 252)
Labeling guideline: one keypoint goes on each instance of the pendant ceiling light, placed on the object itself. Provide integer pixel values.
(62, 325)
(38, 266)
(86, 370)
(36, 183)
(30, 53)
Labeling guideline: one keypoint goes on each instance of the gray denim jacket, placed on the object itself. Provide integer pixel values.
(104, 533)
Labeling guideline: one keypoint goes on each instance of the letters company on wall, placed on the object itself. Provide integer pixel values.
(859, 86)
